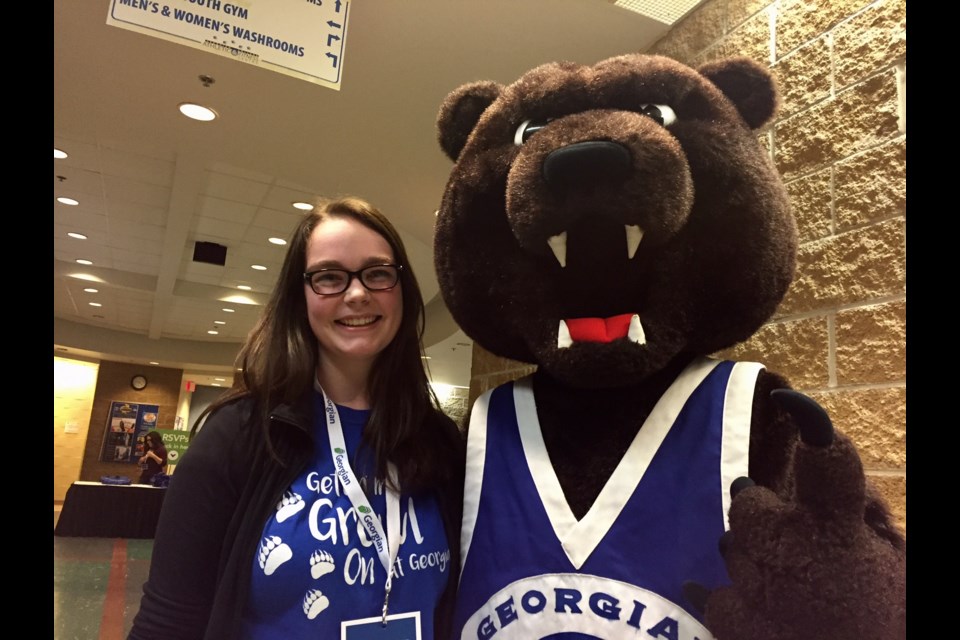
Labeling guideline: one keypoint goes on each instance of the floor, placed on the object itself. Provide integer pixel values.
(97, 585)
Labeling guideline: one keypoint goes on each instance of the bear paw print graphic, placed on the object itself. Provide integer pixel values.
(289, 505)
(314, 603)
(273, 553)
(321, 563)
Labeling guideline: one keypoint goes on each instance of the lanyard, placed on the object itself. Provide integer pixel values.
(386, 542)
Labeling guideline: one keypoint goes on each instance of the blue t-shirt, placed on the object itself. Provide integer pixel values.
(316, 566)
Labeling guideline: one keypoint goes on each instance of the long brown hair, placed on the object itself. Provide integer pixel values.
(279, 359)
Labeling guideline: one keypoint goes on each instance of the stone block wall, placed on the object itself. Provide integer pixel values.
(456, 405)
(839, 142)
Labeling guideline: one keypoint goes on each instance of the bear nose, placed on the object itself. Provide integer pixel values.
(586, 163)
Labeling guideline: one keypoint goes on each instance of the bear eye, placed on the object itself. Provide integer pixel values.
(659, 112)
(526, 129)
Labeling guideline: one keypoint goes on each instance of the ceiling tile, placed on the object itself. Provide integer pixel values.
(124, 231)
(227, 187)
(122, 190)
(219, 231)
(281, 222)
(230, 210)
(137, 167)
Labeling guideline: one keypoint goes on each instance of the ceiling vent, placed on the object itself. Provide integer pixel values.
(210, 253)
(668, 12)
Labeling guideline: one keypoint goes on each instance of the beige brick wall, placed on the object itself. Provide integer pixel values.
(455, 403)
(840, 143)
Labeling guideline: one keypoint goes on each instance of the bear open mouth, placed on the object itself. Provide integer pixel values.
(558, 243)
(625, 325)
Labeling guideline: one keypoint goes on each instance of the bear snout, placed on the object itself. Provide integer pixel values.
(586, 163)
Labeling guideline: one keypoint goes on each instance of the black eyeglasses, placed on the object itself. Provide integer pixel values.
(376, 277)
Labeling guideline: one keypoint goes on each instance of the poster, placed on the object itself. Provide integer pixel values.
(127, 423)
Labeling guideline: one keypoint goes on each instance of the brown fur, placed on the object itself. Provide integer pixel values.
(812, 553)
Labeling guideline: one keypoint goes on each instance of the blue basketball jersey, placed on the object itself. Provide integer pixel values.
(316, 566)
(532, 571)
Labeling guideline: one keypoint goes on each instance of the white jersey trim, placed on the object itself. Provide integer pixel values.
(737, 415)
(580, 538)
(473, 474)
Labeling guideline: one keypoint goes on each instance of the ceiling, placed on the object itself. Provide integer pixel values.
(150, 182)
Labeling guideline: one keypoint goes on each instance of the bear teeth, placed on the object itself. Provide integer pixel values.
(563, 336)
(634, 235)
(558, 243)
(635, 333)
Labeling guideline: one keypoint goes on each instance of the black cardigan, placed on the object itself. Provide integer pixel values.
(224, 489)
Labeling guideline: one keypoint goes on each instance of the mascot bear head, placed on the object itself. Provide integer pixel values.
(603, 220)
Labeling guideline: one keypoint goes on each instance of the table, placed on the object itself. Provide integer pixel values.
(93, 509)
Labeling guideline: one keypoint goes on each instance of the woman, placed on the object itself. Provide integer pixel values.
(154, 461)
(268, 527)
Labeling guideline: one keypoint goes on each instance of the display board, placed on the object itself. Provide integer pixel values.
(127, 424)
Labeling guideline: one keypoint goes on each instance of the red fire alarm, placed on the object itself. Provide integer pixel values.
(191, 385)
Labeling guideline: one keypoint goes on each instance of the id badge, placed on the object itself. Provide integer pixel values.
(400, 626)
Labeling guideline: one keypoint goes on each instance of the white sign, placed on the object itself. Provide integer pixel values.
(301, 38)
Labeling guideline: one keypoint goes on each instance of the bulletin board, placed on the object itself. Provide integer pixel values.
(127, 423)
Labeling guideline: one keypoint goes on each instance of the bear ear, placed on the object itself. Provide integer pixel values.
(460, 112)
(748, 84)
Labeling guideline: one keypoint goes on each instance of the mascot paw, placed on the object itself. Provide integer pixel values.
(807, 565)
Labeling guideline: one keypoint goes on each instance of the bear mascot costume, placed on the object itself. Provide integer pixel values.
(616, 225)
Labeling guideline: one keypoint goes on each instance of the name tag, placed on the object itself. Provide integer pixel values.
(400, 626)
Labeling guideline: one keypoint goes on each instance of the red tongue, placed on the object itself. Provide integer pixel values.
(599, 329)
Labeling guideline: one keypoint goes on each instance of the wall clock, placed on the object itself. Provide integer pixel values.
(138, 382)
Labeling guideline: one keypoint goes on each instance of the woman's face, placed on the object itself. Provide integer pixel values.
(352, 327)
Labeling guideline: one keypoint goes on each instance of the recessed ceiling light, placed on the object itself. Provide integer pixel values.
(279, 241)
(95, 304)
(219, 322)
(258, 267)
(213, 332)
(78, 236)
(197, 112)
(303, 206)
(244, 287)
(152, 362)
(91, 290)
(59, 154)
(81, 261)
(86, 276)
(220, 379)
(214, 384)
(227, 310)
(68, 201)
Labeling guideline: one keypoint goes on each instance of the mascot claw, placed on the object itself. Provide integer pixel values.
(784, 549)
(816, 428)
